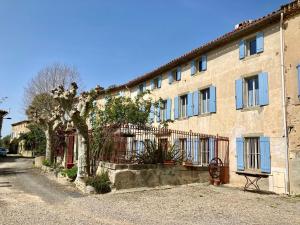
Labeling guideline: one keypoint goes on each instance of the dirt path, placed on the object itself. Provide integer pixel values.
(28, 197)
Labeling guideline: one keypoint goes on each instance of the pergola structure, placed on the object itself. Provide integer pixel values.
(2, 114)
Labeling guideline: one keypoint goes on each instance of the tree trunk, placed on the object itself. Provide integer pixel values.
(49, 144)
(83, 155)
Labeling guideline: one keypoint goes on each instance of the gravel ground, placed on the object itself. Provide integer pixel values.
(28, 197)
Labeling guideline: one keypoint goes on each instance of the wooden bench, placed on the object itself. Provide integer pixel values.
(252, 178)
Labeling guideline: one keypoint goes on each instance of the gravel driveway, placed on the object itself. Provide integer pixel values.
(28, 197)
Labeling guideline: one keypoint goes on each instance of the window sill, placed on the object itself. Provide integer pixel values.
(252, 108)
(204, 114)
(251, 56)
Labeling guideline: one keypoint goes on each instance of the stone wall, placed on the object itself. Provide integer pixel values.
(292, 60)
(124, 176)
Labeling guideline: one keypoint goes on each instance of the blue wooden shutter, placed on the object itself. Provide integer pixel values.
(158, 114)
(189, 149)
(259, 42)
(298, 68)
(144, 86)
(196, 103)
(211, 148)
(263, 91)
(142, 147)
(265, 157)
(240, 153)
(193, 68)
(242, 49)
(178, 74)
(212, 99)
(159, 81)
(152, 84)
(196, 151)
(190, 104)
(176, 107)
(239, 94)
(169, 108)
(170, 76)
(137, 147)
(204, 62)
(152, 113)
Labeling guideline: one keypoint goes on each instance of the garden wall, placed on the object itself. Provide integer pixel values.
(124, 176)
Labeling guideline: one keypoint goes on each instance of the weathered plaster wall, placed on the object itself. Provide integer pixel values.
(292, 59)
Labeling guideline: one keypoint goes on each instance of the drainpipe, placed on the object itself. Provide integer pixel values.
(287, 178)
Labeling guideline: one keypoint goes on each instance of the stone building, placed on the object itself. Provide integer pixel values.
(244, 85)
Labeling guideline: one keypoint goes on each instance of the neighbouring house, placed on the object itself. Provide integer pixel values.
(19, 128)
(244, 85)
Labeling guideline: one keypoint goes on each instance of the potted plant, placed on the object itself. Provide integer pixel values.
(172, 155)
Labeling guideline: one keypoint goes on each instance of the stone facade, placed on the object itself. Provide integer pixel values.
(224, 67)
(292, 60)
(124, 176)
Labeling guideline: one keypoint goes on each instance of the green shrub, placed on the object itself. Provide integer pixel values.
(101, 183)
(46, 162)
(71, 173)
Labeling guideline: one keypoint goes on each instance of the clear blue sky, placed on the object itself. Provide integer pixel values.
(110, 42)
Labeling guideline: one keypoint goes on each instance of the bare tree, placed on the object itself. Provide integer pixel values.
(49, 78)
(40, 105)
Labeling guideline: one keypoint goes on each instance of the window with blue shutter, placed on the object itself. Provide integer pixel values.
(203, 63)
(159, 79)
(152, 84)
(265, 156)
(190, 105)
(212, 100)
(259, 42)
(178, 74)
(170, 77)
(242, 49)
(263, 90)
(144, 86)
(240, 153)
(176, 107)
(211, 149)
(142, 147)
(193, 68)
(196, 151)
(239, 93)
(298, 68)
(196, 103)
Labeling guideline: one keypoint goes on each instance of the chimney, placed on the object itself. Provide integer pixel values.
(246, 22)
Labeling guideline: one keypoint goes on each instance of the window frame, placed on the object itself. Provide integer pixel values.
(180, 111)
(163, 110)
(202, 92)
(255, 91)
(252, 158)
(174, 74)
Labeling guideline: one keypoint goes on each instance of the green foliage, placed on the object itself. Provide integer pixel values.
(70, 173)
(117, 111)
(46, 163)
(5, 141)
(101, 183)
(151, 154)
(34, 139)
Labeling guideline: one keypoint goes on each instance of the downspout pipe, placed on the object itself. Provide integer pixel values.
(287, 177)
